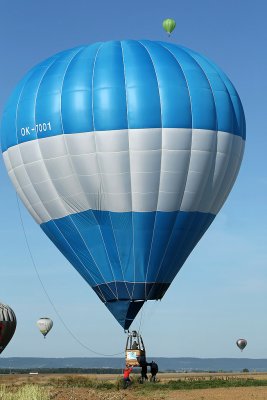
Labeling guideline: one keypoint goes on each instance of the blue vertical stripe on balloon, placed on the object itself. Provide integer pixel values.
(202, 101)
(123, 232)
(76, 102)
(164, 223)
(9, 135)
(48, 101)
(143, 223)
(187, 231)
(180, 232)
(26, 129)
(52, 231)
(199, 225)
(109, 95)
(79, 229)
(104, 222)
(238, 115)
(223, 102)
(92, 242)
(142, 93)
(173, 90)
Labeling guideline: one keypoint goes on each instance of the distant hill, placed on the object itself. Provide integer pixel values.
(165, 364)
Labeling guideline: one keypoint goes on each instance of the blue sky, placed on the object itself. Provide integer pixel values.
(220, 293)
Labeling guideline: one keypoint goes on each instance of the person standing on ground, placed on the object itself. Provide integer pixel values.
(144, 373)
(126, 376)
(154, 369)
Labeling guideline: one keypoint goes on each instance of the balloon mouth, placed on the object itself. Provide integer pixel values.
(131, 291)
(125, 299)
(125, 311)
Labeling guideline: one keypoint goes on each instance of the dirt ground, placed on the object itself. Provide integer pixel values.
(257, 393)
(242, 393)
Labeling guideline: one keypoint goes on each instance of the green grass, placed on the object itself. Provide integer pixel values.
(179, 384)
(105, 390)
(27, 392)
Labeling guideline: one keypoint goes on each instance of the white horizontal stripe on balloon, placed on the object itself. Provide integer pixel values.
(138, 170)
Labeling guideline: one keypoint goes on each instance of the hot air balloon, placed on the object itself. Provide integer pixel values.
(241, 343)
(169, 25)
(8, 325)
(44, 325)
(124, 152)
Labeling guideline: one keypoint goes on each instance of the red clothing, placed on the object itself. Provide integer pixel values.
(126, 372)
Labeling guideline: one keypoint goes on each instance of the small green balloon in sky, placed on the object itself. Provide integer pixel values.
(169, 25)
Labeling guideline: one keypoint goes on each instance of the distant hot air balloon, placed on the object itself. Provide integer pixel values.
(124, 153)
(169, 25)
(8, 325)
(241, 343)
(45, 325)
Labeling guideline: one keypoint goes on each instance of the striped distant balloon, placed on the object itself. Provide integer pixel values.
(169, 25)
(124, 152)
(8, 324)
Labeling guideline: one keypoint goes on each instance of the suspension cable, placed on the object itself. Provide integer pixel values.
(141, 318)
(48, 296)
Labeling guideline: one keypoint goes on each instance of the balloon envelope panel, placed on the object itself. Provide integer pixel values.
(124, 152)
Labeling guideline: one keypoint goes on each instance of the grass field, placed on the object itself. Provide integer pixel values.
(208, 386)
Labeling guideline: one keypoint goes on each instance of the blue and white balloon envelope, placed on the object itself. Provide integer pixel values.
(124, 152)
